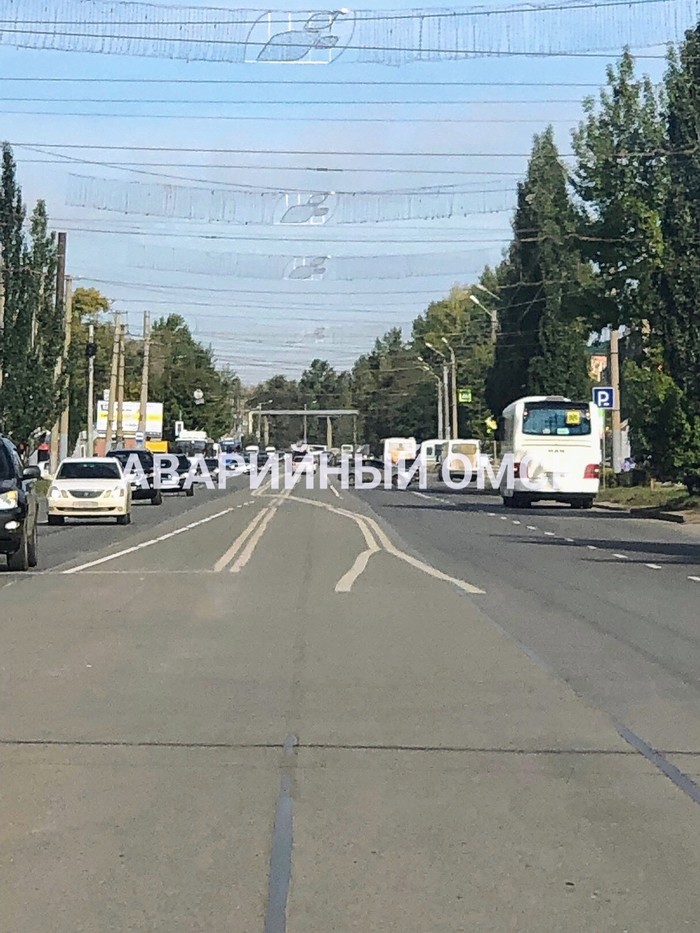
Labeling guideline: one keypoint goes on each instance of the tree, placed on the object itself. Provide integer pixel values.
(541, 283)
(680, 277)
(664, 429)
(180, 366)
(32, 327)
(466, 328)
(621, 182)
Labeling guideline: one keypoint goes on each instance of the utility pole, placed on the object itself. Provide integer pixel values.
(113, 371)
(143, 410)
(306, 425)
(438, 381)
(120, 389)
(58, 371)
(446, 396)
(329, 432)
(455, 409)
(615, 382)
(90, 350)
(63, 424)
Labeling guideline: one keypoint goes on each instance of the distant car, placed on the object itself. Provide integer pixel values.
(212, 465)
(18, 508)
(143, 484)
(177, 483)
(90, 487)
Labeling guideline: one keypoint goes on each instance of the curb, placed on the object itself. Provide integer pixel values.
(644, 512)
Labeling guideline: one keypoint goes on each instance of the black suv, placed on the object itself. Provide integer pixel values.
(145, 458)
(18, 508)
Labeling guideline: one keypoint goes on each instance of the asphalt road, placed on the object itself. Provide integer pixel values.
(338, 711)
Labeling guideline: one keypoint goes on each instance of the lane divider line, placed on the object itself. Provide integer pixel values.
(621, 556)
(694, 579)
(149, 543)
(345, 584)
(653, 566)
(334, 491)
(231, 552)
(257, 534)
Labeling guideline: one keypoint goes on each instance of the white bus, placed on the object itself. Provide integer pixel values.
(400, 449)
(556, 448)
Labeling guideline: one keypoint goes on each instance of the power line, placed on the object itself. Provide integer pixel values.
(286, 102)
(297, 152)
(471, 121)
(305, 45)
(293, 83)
(366, 17)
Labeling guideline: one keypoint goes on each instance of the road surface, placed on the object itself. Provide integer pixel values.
(333, 711)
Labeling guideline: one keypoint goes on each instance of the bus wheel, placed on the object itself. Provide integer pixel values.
(521, 501)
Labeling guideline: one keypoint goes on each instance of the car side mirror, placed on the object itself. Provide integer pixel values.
(31, 472)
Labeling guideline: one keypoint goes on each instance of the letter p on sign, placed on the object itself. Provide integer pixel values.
(604, 396)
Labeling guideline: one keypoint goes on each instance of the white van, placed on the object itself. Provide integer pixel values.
(556, 448)
(430, 451)
(455, 452)
(400, 448)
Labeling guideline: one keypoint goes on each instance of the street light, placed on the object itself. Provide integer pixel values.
(445, 387)
(438, 380)
(455, 410)
(493, 315)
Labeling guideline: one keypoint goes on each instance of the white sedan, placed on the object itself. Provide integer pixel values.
(90, 487)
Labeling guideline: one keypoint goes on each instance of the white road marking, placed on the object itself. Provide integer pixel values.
(592, 547)
(694, 579)
(569, 540)
(392, 549)
(247, 552)
(504, 518)
(550, 534)
(421, 495)
(419, 564)
(149, 543)
(621, 556)
(492, 514)
(515, 521)
(344, 585)
(231, 552)
(334, 491)
(532, 527)
(262, 488)
(653, 566)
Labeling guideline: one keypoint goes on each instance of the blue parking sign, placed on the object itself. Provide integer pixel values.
(604, 396)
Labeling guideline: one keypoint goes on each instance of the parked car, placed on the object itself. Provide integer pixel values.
(176, 483)
(19, 508)
(89, 487)
(143, 480)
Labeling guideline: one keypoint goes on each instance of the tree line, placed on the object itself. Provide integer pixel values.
(611, 240)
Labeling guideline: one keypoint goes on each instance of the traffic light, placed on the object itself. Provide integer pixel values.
(90, 349)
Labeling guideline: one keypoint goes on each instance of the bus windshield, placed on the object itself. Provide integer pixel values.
(561, 419)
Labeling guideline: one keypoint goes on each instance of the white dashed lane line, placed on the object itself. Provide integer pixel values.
(694, 579)
(621, 556)
(653, 566)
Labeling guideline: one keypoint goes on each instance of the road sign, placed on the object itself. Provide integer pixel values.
(604, 396)
(464, 396)
(139, 437)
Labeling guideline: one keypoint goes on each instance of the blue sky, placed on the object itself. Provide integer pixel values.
(264, 326)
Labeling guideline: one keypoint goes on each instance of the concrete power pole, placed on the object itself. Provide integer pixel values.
(446, 403)
(58, 371)
(120, 388)
(114, 368)
(91, 392)
(615, 383)
(65, 414)
(143, 409)
(2, 317)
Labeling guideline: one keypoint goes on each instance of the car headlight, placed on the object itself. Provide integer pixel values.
(9, 499)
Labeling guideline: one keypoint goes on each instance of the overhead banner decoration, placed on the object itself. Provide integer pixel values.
(263, 207)
(322, 36)
(307, 268)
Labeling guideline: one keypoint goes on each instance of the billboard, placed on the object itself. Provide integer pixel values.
(130, 419)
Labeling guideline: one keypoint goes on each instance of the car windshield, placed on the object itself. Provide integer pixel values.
(84, 469)
(561, 420)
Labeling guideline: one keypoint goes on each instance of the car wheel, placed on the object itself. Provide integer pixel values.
(124, 519)
(508, 502)
(33, 547)
(20, 559)
(56, 520)
(190, 491)
(157, 499)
